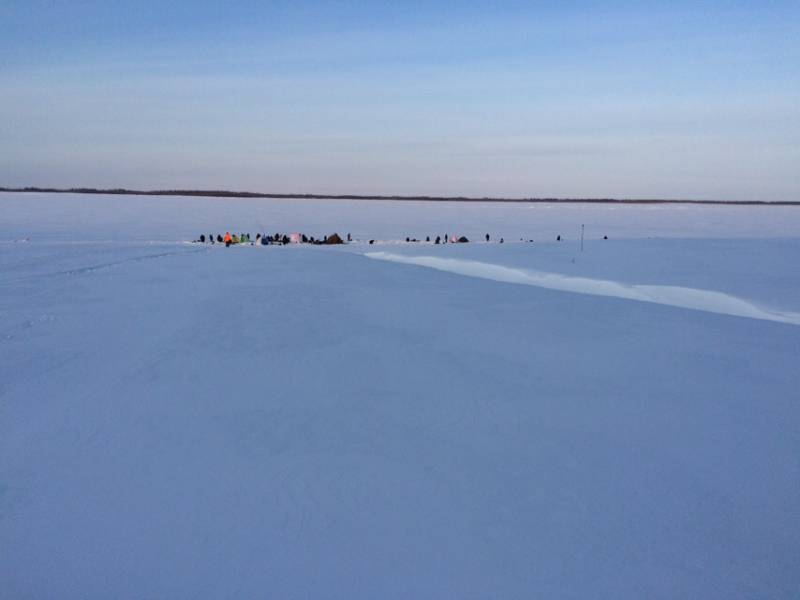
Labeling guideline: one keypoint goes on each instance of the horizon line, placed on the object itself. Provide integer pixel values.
(383, 197)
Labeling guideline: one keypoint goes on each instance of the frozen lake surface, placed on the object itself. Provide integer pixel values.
(398, 420)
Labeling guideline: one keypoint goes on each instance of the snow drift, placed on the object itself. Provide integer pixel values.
(681, 297)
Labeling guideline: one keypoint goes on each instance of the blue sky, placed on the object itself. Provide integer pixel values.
(624, 99)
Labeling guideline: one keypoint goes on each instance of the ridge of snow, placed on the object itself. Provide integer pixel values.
(681, 297)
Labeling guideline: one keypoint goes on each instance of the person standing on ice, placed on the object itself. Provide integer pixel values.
(228, 239)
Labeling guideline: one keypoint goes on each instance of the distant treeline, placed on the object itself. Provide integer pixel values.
(230, 194)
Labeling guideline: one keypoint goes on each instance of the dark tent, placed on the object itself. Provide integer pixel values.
(334, 239)
(462, 240)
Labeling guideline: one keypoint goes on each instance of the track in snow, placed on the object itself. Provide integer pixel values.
(682, 297)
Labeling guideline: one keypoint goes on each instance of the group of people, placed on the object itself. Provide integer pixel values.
(452, 239)
(301, 238)
(267, 239)
(227, 239)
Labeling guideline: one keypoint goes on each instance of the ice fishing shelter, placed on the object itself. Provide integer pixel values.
(333, 239)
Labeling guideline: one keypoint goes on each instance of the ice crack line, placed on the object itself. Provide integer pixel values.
(682, 297)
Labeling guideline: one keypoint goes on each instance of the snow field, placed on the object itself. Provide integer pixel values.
(179, 420)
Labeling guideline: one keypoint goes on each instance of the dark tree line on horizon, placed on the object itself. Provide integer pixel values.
(234, 194)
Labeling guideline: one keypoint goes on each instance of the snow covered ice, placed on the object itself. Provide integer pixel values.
(184, 420)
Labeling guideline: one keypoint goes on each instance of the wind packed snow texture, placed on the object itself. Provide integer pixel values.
(182, 420)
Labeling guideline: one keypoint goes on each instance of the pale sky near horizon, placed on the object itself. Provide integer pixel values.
(570, 99)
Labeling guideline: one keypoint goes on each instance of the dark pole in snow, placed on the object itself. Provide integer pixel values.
(582, 238)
